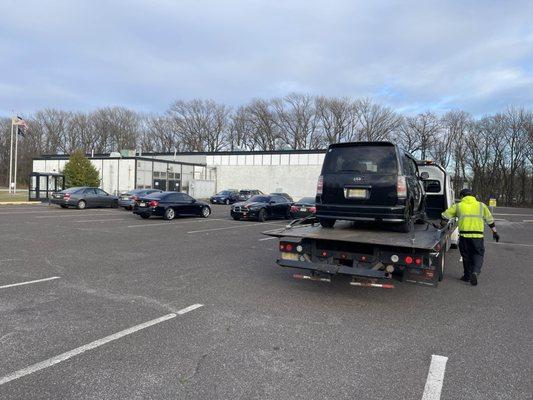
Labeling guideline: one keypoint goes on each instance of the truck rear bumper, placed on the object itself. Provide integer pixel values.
(332, 269)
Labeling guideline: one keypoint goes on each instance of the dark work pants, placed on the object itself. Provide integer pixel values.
(472, 250)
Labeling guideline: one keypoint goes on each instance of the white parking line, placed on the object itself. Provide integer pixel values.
(510, 244)
(527, 220)
(268, 238)
(29, 282)
(233, 227)
(101, 220)
(97, 343)
(74, 214)
(148, 224)
(435, 378)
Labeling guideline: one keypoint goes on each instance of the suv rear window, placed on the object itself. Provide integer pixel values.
(361, 159)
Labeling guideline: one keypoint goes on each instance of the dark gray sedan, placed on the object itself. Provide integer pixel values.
(127, 200)
(83, 197)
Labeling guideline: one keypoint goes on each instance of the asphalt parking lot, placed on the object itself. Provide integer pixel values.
(99, 304)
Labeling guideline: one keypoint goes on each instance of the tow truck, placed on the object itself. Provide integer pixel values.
(370, 254)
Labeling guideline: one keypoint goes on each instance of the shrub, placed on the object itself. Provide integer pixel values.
(79, 171)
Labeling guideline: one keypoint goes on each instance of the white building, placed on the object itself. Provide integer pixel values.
(203, 174)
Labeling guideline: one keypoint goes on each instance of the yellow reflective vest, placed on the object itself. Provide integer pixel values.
(471, 215)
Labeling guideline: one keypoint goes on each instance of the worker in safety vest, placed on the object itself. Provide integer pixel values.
(471, 215)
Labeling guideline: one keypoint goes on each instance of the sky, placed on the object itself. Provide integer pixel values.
(413, 56)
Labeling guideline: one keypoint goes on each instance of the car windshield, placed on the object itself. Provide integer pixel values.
(361, 159)
(224, 193)
(245, 192)
(307, 200)
(259, 199)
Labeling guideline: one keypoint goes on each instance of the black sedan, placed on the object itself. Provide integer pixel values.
(261, 208)
(127, 200)
(83, 197)
(169, 205)
(304, 207)
(225, 197)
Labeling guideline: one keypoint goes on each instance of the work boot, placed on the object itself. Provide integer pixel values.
(464, 278)
(473, 279)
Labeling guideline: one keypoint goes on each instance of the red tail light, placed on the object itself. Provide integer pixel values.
(153, 203)
(312, 209)
(66, 196)
(281, 247)
(295, 209)
(320, 185)
(288, 247)
(418, 261)
(401, 187)
(134, 198)
(408, 260)
(324, 253)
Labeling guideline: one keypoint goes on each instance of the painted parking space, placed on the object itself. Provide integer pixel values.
(321, 340)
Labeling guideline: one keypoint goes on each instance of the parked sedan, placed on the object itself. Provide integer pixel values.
(169, 205)
(127, 200)
(225, 197)
(303, 208)
(83, 197)
(261, 208)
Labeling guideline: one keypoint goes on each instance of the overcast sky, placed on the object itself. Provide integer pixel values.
(410, 55)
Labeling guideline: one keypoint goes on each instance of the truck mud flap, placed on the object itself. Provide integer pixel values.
(332, 269)
(424, 277)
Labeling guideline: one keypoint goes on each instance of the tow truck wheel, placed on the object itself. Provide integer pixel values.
(442, 262)
(326, 222)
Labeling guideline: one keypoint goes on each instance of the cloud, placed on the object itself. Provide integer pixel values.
(410, 55)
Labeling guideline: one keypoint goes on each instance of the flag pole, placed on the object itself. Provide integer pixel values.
(16, 156)
(11, 159)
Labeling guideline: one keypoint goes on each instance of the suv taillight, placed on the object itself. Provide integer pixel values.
(153, 203)
(320, 185)
(401, 187)
(66, 196)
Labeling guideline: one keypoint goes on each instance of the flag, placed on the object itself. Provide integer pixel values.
(22, 125)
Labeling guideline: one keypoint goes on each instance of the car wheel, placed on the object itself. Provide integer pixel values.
(115, 204)
(327, 222)
(82, 204)
(206, 212)
(227, 202)
(144, 216)
(63, 206)
(169, 214)
(261, 217)
(236, 218)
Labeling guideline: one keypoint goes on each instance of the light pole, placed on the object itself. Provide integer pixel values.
(11, 159)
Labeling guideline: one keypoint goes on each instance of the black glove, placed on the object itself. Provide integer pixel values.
(495, 236)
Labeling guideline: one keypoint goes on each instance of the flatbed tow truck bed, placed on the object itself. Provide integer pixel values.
(373, 256)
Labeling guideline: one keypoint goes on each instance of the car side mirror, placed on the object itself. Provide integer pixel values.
(424, 175)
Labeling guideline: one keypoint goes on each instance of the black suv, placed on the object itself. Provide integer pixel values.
(373, 181)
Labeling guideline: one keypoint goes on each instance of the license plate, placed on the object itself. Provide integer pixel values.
(124, 197)
(303, 209)
(356, 193)
(142, 204)
(290, 256)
